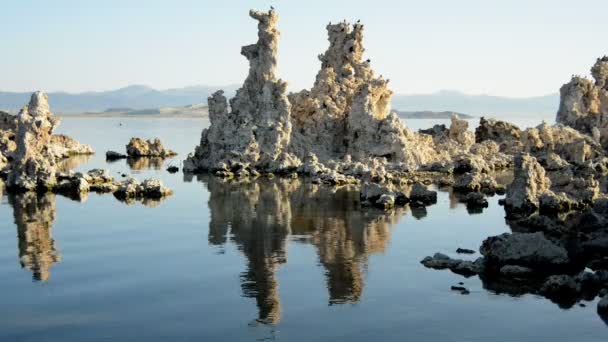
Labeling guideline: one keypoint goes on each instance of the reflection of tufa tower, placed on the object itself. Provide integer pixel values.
(34, 216)
(259, 216)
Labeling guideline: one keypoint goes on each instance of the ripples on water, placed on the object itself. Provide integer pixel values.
(273, 259)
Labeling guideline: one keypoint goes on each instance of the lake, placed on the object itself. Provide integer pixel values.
(269, 260)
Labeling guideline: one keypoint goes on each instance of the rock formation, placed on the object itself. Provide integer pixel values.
(137, 148)
(34, 163)
(255, 129)
(28, 149)
(529, 182)
(584, 104)
(343, 124)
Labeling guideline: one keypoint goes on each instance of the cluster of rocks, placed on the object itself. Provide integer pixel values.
(531, 262)
(388, 196)
(556, 203)
(77, 185)
(29, 151)
(340, 131)
(30, 156)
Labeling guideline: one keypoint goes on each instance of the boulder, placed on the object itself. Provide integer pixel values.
(147, 148)
(419, 193)
(532, 250)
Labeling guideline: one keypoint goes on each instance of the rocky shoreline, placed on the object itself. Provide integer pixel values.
(343, 132)
(30, 158)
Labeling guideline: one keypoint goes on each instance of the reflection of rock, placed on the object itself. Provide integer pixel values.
(34, 216)
(145, 163)
(271, 210)
(72, 162)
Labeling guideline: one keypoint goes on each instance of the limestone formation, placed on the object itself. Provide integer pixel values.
(496, 130)
(29, 152)
(255, 129)
(342, 126)
(529, 182)
(65, 146)
(34, 164)
(584, 103)
(137, 148)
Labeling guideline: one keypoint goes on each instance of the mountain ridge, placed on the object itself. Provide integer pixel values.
(139, 97)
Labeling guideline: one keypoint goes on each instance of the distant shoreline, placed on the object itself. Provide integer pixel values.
(133, 116)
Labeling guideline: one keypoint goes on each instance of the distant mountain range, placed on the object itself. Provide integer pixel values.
(543, 107)
(134, 97)
(137, 97)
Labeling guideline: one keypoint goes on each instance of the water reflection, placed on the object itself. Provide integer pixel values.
(258, 218)
(73, 162)
(145, 163)
(34, 216)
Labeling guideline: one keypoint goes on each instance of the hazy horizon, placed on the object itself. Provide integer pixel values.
(515, 49)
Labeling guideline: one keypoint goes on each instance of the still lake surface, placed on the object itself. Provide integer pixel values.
(282, 259)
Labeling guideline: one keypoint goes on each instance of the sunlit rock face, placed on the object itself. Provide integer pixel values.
(30, 148)
(34, 163)
(255, 129)
(343, 123)
(529, 182)
(34, 216)
(270, 211)
(584, 103)
(347, 112)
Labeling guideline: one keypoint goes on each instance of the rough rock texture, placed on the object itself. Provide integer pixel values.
(64, 147)
(256, 129)
(496, 130)
(567, 143)
(584, 104)
(149, 188)
(29, 152)
(343, 125)
(34, 163)
(528, 184)
(531, 250)
(146, 148)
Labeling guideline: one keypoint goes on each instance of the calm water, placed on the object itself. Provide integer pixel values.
(284, 260)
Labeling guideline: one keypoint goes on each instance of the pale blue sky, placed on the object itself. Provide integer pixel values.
(512, 48)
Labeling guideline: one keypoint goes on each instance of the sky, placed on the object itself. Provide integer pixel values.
(515, 48)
